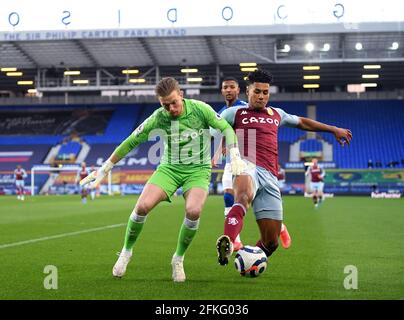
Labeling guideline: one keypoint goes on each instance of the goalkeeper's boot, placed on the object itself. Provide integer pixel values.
(177, 263)
(286, 241)
(224, 248)
(119, 268)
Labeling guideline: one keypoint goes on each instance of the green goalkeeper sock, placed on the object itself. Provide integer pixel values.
(133, 229)
(187, 233)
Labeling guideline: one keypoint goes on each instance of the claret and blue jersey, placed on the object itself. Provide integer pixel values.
(257, 132)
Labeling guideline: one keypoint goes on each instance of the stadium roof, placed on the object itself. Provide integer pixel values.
(101, 61)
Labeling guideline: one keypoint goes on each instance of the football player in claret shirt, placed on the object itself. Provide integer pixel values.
(19, 176)
(82, 173)
(317, 175)
(230, 91)
(257, 126)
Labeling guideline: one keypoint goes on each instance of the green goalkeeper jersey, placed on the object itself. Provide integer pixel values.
(186, 138)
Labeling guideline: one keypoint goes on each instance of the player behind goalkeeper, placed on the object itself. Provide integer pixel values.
(82, 173)
(317, 175)
(19, 175)
(230, 91)
(183, 124)
(258, 185)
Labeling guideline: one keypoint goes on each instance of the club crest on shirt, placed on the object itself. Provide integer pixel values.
(270, 112)
(139, 129)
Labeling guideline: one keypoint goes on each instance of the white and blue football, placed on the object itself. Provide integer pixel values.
(250, 261)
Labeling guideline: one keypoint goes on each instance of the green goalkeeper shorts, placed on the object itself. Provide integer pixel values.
(171, 177)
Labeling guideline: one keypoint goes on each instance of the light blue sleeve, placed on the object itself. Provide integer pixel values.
(229, 115)
(287, 120)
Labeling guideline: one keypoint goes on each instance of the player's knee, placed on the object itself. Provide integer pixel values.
(244, 199)
(142, 208)
(193, 212)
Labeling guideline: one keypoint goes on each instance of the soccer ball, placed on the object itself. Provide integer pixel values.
(250, 261)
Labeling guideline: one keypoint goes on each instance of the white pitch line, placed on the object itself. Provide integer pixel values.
(57, 236)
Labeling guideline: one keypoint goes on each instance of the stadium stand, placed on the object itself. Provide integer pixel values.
(286, 134)
(68, 152)
(123, 121)
(376, 126)
(311, 145)
(377, 138)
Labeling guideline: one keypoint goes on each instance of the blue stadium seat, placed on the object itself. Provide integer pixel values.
(69, 151)
(311, 145)
(377, 128)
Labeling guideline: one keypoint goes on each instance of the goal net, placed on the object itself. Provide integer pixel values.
(61, 180)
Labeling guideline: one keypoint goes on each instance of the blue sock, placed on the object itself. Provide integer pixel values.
(228, 200)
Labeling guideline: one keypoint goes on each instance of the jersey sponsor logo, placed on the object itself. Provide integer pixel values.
(188, 135)
(262, 120)
(232, 221)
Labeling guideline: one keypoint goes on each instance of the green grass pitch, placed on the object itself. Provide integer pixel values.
(358, 231)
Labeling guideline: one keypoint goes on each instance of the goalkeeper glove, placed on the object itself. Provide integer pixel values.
(237, 164)
(95, 177)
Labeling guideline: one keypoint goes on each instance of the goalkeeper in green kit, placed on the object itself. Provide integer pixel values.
(184, 125)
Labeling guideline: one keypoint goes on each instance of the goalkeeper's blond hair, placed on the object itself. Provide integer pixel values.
(166, 86)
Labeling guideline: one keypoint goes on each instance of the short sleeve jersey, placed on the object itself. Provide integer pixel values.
(257, 132)
(316, 173)
(19, 174)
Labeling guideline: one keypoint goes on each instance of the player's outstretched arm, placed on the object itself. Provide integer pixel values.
(95, 177)
(343, 136)
(138, 136)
